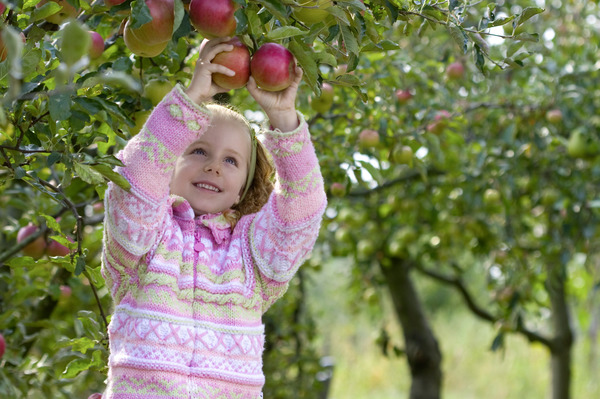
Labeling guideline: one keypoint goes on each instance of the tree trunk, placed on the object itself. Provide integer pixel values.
(562, 342)
(422, 350)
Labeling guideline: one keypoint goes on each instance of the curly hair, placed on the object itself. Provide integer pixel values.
(264, 172)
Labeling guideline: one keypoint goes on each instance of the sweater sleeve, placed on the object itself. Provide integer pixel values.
(135, 219)
(284, 231)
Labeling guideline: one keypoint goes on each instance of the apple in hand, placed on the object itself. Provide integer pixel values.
(324, 102)
(36, 248)
(238, 60)
(156, 89)
(403, 96)
(67, 11)
(213, 18)
(273, 67)
(455, 71)
(311, 11)
(368, 138)
(95, 396)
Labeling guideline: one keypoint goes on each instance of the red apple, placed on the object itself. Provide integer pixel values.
(95, 396)
(454, 71)
(2, 345)
(324, 102)
(338, 189)
(273, 67)
(403, 96)
(312, 11)
(67, 11)
(554, 116)
(368, 138)
(112, 3)
(213, 18)
(36, 248)
(440, 122)
(238, 60)
(152, 38)
(65, 291)
(57, 249)
(3, 50)
(2, 8)
(97, 47)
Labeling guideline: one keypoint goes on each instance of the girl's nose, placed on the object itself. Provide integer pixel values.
(212, 167)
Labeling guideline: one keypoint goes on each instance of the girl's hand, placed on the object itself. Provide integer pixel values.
(280, 106)
(202, 87)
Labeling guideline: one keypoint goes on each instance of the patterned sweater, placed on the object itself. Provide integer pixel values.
(189, 291)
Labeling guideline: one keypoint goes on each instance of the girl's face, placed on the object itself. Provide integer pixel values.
(211, 173)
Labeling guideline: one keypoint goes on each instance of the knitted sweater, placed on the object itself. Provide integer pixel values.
(189, 291)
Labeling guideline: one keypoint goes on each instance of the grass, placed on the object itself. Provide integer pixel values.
(471, 370)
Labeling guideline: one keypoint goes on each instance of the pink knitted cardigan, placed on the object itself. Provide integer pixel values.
(189, 292)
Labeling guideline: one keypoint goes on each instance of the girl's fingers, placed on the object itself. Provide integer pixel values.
(218, 68)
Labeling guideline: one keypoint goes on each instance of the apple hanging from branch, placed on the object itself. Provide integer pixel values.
(324, 102)
(150, 39)
(213, 18)
(36, 248)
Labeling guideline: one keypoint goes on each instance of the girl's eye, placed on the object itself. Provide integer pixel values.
(231, 161)
(199, 151)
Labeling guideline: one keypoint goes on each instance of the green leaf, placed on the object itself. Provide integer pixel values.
(87, 173)
(51, 223)
(285, 32)
(340, 15)
(254, 24)
(22, 261)
(323, 57)
(113, 176)
(528, 13)
(501, 21)
(349, 40)
(53, 158)
(528, 37)
(140, 14)
(50, 8)
(459, 36)
(80, 265)
(60, 106)
(276, 8)
(75, 42)
(179, 13)
(304, 56)
(384, 45)
(75, 367)
(115, 79)
(241, 22)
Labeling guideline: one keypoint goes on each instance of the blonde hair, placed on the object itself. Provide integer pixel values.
(262, 184)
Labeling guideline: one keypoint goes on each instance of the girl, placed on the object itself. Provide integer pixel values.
(203, 243)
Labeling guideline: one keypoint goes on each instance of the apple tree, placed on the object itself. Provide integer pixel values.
(79, 78)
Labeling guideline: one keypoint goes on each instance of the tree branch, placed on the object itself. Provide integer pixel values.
(478, 310)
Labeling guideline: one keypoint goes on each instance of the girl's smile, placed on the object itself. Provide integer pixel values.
(212, 172)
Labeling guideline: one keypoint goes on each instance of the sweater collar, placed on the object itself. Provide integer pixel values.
(218, 225)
